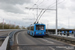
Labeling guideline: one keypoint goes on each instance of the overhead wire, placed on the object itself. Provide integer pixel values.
(45, 11)
(41, 2)
(35, 3)
(38, 15)
(40, 11)
(60, 2)
(33, 6)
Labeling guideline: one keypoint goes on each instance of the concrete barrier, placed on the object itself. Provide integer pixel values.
(4, 45)
(9, 39)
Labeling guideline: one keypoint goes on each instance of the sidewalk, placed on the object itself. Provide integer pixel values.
(71, 35)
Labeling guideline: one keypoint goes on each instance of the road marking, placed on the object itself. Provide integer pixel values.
(47, 41)
(18, 48)
(17, 38)
(17, 41)
(69, 47)
(65, 47)
(52, 48)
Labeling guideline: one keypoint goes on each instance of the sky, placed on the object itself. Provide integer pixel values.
(15, 12)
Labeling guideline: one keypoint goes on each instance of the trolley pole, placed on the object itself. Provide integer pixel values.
(56, 17)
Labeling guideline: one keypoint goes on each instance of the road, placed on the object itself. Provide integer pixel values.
(27, 42)
(5, 32)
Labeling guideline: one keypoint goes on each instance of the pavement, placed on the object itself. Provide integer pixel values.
(27, 42)
(70, 35)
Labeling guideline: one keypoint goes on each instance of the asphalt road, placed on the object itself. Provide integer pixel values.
(27, 42)
(5, 32)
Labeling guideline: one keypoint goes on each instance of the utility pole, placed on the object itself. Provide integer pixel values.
(56, 18)
(36, 11)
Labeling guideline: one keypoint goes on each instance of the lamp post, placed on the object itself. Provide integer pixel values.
(56, 17)
(37, 12)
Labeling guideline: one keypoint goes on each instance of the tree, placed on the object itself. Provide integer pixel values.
(17, 27)
(62, 28)
(23, 27)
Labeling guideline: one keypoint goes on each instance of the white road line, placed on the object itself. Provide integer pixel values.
(47, 41)
(52, 48)
(17, 41)
(17, 38)
(18, 48)
(65, 47)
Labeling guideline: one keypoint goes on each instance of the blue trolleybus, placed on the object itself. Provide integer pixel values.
(37, 30)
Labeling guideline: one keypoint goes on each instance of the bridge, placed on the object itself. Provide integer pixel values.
(20, 40)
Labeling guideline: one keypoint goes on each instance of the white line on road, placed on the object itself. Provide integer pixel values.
(65, 47)
(17, 41)
(47, 41)
(17, 38)
(52, 48)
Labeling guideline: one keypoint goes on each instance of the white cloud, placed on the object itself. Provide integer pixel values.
(15, 12)
(15, 1)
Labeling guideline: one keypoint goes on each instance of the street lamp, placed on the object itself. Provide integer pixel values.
(56, 17)
(36, 13)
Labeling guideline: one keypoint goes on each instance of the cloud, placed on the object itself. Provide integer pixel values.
(11, 5)
(15, 1)
(73, 0)
(11, 8)
(72, 7)
(15, 10)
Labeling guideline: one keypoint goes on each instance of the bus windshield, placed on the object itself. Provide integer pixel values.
(39, 27)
